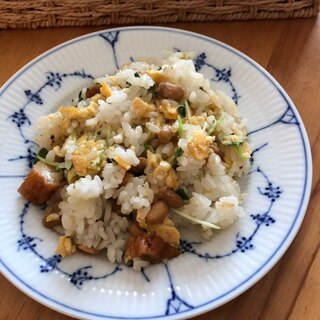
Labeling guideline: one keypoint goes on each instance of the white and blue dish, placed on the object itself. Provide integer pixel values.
(207, 274)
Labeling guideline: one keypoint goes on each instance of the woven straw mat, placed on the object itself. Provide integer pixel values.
(49, 13)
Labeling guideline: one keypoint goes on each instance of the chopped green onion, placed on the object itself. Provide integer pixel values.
(181, 110)
(159, 68)
(214, 125)
(108, 135)
(237, 147)
(58, 166)
(137, 75)
(101, 156)
(195, 220)
(182, 194)
(42, 153)
(128, 84)
(177, 154)
(180, 129)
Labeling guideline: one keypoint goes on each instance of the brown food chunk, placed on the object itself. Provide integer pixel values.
(128, 253)
(158, 212)
(139, 168)
(51, 220)
(170, 252)
(165, 134)
(93, 90)
(167, 232)
(126, 179)
(168, 90)
(135, 230)
(89, 250)
(170, 197)
(51, 217)
(149, 247)
(155, 143)
(41, 182)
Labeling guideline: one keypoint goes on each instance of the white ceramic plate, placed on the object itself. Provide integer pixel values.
(206, 275)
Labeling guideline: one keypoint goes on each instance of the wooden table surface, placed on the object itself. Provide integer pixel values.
(290, 51)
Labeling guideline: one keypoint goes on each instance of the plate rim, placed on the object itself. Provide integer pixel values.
(253, 278)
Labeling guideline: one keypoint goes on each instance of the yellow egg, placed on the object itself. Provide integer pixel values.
(65, 246)
(86, 158)
(167, 232)
(80, 114)
(169, 111)
(199, 146)
(122, 163)
(141, 108)
(157, 76)
(105, 89)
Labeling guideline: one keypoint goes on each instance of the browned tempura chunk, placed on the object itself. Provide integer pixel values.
(93, 90)
(41, 182)
(135, 229)
(149, 247)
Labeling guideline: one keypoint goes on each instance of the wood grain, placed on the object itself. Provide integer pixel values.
(290, 50)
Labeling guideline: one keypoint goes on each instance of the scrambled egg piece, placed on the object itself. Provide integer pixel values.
(157, 76)
(141, 108)
(197, 120)
(166, 175)
(153, 159)
(140, 217)
(159, 120)
(160, 172)
(86, 158)
(169, 111)
(96, 97)
(65, 246)
(199, 146)
(80, 114)
(122, 163)
(167, 232)
(105, 90)
(114, 80)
